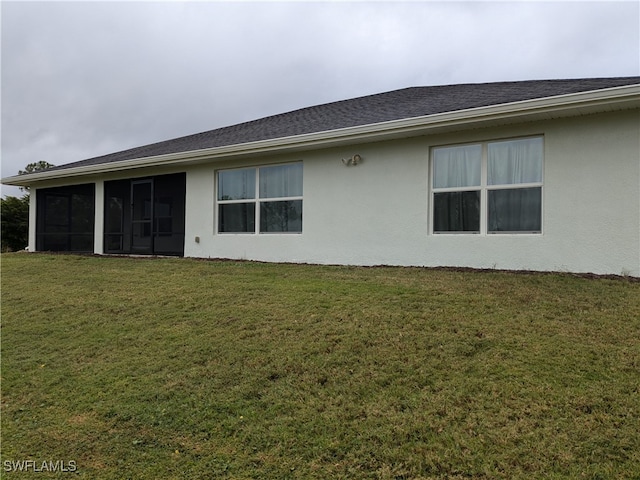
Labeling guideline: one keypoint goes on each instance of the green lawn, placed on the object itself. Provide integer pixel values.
(178, 368)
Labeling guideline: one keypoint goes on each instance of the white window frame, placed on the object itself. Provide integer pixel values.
(484, 189)
(256, 200)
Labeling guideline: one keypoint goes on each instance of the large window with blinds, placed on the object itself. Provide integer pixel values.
(488, 188)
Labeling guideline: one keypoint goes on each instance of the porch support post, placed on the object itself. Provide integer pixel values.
(32, 220)
(98, 228)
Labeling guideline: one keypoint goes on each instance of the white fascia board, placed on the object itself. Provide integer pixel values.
(597, 100)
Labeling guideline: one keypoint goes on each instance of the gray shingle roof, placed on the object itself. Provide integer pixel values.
(395, 105)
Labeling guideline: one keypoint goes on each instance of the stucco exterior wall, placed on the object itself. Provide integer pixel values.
(378, 212)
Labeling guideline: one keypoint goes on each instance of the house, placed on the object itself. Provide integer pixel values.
(536, 175)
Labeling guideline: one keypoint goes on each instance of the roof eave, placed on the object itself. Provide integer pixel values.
(616, 98)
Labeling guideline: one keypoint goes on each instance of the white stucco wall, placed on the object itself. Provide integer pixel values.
(378, 212)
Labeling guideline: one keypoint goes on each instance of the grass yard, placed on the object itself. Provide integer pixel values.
(186, 369)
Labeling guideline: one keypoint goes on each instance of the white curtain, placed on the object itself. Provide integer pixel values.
(281, 181)
(515, 210)
(237, 184)
(515, 161)
(457, 166)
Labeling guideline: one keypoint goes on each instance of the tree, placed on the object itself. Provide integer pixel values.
(14, 213)
(34, 167)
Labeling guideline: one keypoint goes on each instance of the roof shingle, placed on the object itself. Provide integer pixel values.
(395, 105)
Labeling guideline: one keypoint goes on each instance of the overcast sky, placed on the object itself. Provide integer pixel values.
(81, 79)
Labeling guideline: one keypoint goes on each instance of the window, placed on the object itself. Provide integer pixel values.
(490, 187)
(264, 199)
